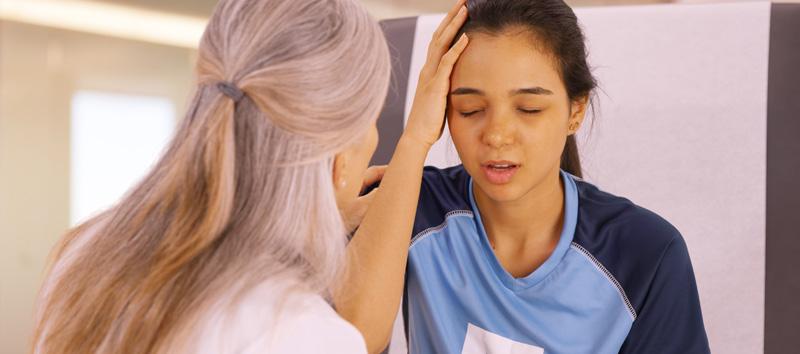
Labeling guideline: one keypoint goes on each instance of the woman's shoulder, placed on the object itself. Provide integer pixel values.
(273, 318)
(311, 325)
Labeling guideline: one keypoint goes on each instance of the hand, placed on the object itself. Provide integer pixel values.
(357, 209)
(426, 120)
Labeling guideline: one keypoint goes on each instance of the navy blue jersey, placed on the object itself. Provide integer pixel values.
(619, 280)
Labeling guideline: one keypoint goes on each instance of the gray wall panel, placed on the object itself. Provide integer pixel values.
(782, 322)
(400, 35)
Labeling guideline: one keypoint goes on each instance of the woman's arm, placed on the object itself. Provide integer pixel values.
(377, 253)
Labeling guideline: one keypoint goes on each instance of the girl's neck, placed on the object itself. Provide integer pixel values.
(536, 217)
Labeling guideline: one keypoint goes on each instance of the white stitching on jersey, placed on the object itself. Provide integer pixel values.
(430, 230)
(608, 275)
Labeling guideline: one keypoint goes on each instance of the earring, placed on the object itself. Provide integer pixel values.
(342, 183)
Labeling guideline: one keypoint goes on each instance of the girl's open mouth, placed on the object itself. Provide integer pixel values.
(499, 172)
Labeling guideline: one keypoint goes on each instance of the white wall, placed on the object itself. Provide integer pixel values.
(40, 69)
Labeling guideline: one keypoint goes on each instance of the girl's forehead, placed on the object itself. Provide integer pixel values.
(505, 60)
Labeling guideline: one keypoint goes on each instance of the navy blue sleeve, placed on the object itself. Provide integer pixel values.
(441, 191)
(670, 319)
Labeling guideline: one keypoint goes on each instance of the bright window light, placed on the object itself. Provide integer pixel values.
(115, 140)
(107, 19)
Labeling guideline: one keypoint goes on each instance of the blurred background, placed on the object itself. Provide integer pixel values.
(90, 91)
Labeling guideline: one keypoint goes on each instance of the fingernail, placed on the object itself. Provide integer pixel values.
(462, 10)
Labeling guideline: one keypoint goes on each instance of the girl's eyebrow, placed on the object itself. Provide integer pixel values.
(528, 90)
(467, 91)
(532, 91)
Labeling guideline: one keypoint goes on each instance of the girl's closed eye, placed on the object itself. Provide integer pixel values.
(467, 113)
(529, 110)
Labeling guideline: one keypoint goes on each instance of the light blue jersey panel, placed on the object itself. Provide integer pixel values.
(461, 300)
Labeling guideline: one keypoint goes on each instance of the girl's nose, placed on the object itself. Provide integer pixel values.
(499, 133)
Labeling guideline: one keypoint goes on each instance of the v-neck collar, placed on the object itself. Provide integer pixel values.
(565, 240)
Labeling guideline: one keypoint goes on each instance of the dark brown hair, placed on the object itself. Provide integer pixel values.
(555, 26)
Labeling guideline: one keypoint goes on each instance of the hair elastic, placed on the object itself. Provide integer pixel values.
(230, 90)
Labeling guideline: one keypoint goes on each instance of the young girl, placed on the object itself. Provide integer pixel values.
(512, 252)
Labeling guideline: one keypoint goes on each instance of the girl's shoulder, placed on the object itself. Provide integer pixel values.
(444, 192)
(637, 248)
(605, 218)
(647, 258)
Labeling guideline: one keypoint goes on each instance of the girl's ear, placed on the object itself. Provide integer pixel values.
(577, 113)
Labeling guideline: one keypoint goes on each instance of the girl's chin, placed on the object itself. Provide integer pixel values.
(498, 193)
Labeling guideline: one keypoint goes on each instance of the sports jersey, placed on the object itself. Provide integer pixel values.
(618, 281)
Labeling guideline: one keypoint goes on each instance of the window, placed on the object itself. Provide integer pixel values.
(115, 140)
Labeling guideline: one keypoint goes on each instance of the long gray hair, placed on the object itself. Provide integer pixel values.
(243, 193)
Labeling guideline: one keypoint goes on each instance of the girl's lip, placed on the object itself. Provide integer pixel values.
(499, 176)
(499, 162)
